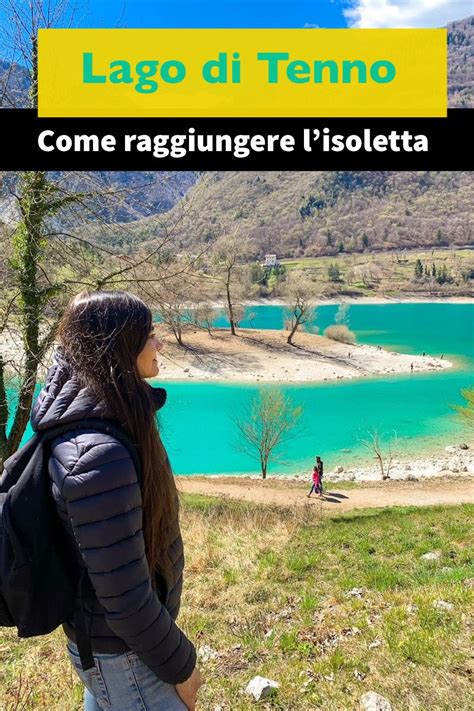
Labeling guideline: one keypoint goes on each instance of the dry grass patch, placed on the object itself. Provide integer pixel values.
(330, 607)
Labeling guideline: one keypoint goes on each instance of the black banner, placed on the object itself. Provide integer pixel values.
(31, 143)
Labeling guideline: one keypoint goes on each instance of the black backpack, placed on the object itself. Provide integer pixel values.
(41, 584)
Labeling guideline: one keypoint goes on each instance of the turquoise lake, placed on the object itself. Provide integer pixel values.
(198, 421)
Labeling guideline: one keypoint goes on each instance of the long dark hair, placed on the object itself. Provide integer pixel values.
(101, 334)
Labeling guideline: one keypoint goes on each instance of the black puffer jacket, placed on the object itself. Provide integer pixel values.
(97, 495)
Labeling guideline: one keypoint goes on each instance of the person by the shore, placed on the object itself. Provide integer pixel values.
(316, 485)
(320, 466)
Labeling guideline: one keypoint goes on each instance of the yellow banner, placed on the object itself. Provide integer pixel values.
(225, 73)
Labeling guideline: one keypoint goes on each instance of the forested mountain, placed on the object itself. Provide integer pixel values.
(314, 213)
(461, 63)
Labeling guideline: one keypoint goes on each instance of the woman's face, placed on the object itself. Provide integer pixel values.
(147, 358)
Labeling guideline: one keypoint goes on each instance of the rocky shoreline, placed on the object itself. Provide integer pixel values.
(455, 461)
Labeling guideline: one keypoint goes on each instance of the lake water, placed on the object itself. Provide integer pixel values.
(198, 422)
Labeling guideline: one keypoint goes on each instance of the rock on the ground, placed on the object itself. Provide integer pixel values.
(206, 653)
(432, 555)
(376, 643)
(356, 592)
(260, 688)
(371, 701)
(338, 470)
(451, 449)
(443, 605)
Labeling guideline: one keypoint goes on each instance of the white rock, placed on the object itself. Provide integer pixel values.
(433, 555)
(260, 688)
(451, 449)
(443, 605)
(371, 701)
(206, 653)
(338, 470)
(376, 643)
(356, 592)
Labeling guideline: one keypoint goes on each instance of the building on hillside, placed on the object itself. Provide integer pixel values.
(271, 260)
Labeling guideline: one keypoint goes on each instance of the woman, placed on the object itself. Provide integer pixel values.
(125, 536)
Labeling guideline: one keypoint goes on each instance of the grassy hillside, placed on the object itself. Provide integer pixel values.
(328, 607)
(391, 274)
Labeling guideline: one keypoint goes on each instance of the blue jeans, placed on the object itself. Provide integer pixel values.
(121, 682)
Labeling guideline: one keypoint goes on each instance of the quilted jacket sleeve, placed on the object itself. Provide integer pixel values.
(103, 499)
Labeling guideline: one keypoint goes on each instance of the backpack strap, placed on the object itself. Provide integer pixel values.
(83, 638)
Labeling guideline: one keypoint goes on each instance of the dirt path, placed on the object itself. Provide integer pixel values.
(393, 493)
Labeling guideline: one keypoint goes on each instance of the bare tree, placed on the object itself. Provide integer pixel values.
(299, 292)
(180, 300)
(56, 244)
(384, 458)
(228, 267)
(266, 424)
(20, 40)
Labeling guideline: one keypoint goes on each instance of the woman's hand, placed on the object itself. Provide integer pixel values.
(187, 691)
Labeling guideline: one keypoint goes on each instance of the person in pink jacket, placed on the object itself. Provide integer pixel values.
(316, 485)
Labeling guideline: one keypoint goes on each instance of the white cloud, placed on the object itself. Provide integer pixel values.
(310, 25)
(406, 13)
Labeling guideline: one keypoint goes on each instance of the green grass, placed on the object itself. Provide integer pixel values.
(269, 590)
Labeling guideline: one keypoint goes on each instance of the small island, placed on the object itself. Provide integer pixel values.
(265, 356)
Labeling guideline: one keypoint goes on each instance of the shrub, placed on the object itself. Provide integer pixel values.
(340, 333)
(334, 273)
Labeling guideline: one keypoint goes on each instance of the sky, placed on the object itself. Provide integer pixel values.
(275, 13)
(266, 13)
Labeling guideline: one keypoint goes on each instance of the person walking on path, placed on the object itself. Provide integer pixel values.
(320, 466)
(316, 485)
(123, 531)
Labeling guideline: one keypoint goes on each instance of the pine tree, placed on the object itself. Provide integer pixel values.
(418, 269)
